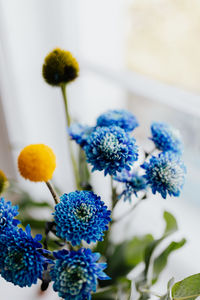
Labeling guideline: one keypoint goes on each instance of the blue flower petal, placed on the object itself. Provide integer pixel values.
(81, 215)
(75, 274)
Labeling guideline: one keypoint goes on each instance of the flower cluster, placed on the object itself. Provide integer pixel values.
(165, 174)
(81, 215)
(108, 145)
(133, 183)
(21, 261)
(166, 138)
(21, 256)
(111, 149)
(75, 273)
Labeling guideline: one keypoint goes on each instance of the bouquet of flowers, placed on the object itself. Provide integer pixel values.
(77, 253)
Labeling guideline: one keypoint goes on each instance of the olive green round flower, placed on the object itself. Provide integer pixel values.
(4, 183)
(60, 67)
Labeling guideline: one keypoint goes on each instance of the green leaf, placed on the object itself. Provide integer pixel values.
(125, 256)
(134, 251)
(171, 224)
(34, 223)
(117, 266)
(28, 203)
(170, 227)
(188, 288)
(84, 172)
(161, 261)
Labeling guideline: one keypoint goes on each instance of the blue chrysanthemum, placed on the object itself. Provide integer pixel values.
(80, 133)
(81, 215)
(133, 183)
(121, 118)
(166, 138)
(21, 259)
(7, 214)
(165, 174)
(75, 273)
(111, 149)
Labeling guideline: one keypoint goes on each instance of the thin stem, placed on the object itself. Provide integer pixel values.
(73, 160)
(131, 210)
(114, 196)
(53, 192)
(148, 154)
(63, 88)
(103, 246)
(75, 168)
(112, 191)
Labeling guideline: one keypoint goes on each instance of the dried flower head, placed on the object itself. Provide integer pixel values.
(37, 162)
(60, 67)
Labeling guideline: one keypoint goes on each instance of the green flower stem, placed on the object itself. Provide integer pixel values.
(114, 195)
(84, 173)
(63, 88)
(149, 154)
(53, 192)
(103, 246)
(73, 160)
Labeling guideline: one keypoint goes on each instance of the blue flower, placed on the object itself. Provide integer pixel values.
(111, 149)
(121, 118)
(166, 138)
(75, 273)
(81, 215)
(165, 174)
(7, 214)
(21, 259)
(80, 133)
(133, 183)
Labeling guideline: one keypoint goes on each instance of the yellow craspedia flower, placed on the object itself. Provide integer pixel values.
(60, 67)
(4, 183)
(37, 162)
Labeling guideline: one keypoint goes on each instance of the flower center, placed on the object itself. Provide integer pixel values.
(110, 145)
(14, 260)
(83, 212)
(72, 279)
(171, 174)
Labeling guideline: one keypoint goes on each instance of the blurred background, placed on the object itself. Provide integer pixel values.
(143, 55)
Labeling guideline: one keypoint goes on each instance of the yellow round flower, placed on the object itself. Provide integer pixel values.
(37, 162)
(60, 67)
(3, 182)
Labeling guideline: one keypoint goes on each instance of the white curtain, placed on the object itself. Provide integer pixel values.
(32, 110)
